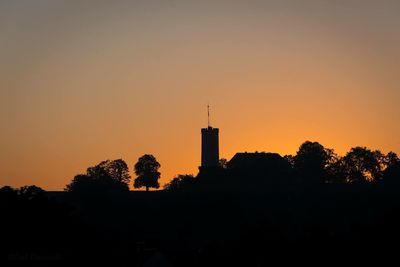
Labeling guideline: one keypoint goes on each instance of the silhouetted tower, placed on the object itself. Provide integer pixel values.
(209, 145)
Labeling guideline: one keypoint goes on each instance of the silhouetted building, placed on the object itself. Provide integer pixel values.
(256, 160)
(209, 148)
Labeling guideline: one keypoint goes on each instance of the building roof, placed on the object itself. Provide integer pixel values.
(255, 160)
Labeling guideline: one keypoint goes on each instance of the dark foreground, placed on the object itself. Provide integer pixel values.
(205, 226)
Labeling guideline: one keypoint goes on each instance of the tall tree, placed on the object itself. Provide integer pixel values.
(311, 160)
(147, 172)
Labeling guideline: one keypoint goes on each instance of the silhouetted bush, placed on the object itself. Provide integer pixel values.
(181, 182)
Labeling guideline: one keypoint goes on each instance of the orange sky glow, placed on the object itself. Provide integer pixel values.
(85, 82)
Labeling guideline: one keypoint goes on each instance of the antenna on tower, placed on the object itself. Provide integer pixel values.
(208, 114)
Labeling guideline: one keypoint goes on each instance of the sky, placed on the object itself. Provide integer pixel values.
(86, 81)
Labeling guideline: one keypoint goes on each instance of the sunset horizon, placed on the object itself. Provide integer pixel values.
(83, 83)
(180, 133)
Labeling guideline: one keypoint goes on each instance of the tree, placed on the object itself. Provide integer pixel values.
(181, 181)
(290, 160)
(363, 165)
(337, 170)
(81, 183)
(105, 176)
(147, 172)
(391, 176)
(7, 195)
(391, 159)
(116, 169)
(31, 192)
(311, 160)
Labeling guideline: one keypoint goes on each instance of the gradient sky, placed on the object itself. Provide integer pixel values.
(85, 81)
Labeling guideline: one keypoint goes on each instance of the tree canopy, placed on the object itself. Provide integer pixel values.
(108, 175)
(181, 181)
(314, 163)
(147, 172)
(363, 165)
(311, 160)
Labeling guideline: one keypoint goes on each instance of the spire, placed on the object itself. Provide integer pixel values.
(208, 115)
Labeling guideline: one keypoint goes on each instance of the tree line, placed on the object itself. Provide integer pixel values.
(113, 175)
(312, 164)
(322, 165)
